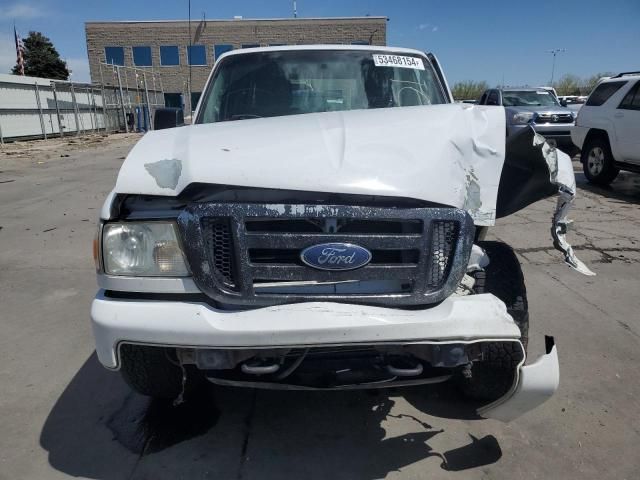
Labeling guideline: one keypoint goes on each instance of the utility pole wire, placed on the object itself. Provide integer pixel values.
(555, 52)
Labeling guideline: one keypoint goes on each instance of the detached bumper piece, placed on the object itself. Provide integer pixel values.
(535, 384)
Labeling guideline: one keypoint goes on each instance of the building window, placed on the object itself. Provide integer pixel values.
(169, 55)
(220, 49)
(360, 42)
(141, 56)
(197, 55)
(250, 45)
(114, 55)
(195, 97)
(277, 44)
(173, 100)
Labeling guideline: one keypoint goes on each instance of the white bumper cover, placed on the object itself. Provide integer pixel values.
(184, 324)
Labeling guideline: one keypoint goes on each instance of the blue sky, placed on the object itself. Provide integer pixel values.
(473, 40)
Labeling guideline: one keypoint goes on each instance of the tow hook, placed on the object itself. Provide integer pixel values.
(259, 369)
(405, 372)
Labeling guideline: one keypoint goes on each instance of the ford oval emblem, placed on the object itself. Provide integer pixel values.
(336, 256)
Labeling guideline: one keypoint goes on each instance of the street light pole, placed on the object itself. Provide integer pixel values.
(555, 52)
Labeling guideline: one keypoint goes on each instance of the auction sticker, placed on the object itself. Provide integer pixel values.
(402, 61)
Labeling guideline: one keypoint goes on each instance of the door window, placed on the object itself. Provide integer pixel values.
(631, 100)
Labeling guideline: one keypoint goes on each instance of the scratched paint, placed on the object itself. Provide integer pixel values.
(166, 173)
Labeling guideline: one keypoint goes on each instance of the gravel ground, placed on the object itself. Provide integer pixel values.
(62, 415)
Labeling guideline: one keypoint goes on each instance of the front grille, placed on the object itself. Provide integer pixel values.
(217, 237)
(554, 118)
(249, 254)
(443, 239)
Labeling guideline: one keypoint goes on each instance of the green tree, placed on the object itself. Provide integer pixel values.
(568, 85)
(41, 59)
(469, 90)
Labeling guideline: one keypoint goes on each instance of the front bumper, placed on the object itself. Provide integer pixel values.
(463, 319)
(560, 132)
(193, 324)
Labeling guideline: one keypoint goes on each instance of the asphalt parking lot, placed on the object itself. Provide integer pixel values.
(62, 415)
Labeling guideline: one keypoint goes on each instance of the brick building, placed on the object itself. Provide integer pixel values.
(163, 46)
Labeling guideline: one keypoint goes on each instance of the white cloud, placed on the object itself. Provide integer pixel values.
(428, 26)
(21, 11)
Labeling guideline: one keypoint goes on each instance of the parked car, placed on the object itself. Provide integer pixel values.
(320, 226)
(572, 102)
(535, 107)
(608, 128)
(550, 90)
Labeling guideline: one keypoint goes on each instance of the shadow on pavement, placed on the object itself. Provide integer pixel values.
(625, 188)
(99, 429)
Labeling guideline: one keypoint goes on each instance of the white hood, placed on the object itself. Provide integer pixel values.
(448, 154)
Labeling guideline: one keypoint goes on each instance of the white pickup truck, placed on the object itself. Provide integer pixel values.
(320, 226)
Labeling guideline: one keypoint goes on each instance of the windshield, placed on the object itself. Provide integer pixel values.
(528, 98)
(270, 84)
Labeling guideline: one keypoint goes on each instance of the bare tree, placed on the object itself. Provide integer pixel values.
(590, 83)
(468, 90)
(568, 85)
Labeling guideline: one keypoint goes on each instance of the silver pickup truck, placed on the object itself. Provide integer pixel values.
(534, 107)
(321, 226)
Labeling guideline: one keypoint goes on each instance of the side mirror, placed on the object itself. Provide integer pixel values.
(563, 102)
(168, 118)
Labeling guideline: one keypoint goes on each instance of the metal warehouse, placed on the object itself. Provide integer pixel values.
(169, 48)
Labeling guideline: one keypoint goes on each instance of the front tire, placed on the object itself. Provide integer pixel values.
(597, 161)
(151, 371)
(493, 376)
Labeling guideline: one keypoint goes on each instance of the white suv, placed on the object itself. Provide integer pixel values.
(608, 128)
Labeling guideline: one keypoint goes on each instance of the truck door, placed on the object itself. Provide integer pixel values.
(626, 120)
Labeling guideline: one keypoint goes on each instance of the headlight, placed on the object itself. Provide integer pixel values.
(148, 249)
(521, 118)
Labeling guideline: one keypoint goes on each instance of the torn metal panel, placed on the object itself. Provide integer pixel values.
(446, 154)
(534, 170)
(561, 174)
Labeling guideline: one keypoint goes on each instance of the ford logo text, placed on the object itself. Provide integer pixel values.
(336, 256)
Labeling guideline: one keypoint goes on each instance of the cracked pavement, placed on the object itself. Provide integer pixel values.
(605, 227)
(63, 416)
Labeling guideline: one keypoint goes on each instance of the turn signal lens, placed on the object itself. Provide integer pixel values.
(96, 250)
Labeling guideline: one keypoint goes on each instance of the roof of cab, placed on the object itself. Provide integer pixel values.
(373, 48)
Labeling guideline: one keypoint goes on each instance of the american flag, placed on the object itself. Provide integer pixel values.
(19, 51)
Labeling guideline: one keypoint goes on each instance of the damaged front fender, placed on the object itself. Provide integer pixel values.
(534, 170)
